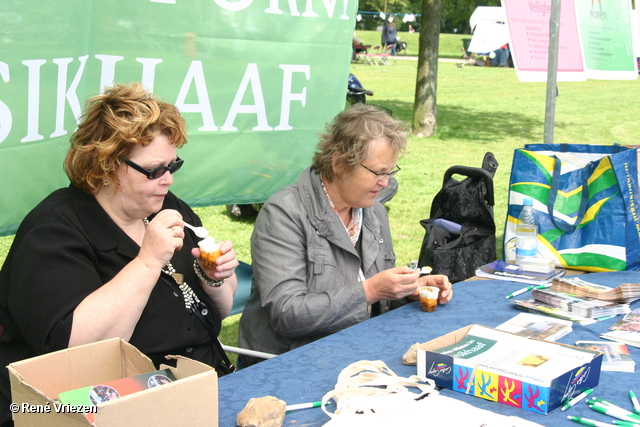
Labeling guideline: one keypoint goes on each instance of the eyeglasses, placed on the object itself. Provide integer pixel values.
(156, 173)
(383, 175)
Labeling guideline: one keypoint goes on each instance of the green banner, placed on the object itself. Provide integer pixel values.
(256, 81)
(607, 45)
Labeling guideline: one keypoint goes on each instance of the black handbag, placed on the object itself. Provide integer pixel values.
(225, 367)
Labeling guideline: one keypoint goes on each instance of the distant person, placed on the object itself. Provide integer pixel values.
(322, 253)
(411, 30)
(500, 56)
(390, 36)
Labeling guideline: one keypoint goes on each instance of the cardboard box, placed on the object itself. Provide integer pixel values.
(520, 387)
(191, 400)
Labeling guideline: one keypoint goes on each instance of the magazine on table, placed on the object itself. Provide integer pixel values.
(616, 355)
(501, 270)
(626, 330)
(537, 326)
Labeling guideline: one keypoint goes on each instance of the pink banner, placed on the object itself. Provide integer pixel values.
(528, 23)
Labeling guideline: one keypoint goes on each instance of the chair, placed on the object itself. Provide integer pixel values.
(468, 59)
(244, 273)
(359, 51)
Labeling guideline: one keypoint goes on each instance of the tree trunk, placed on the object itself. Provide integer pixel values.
(424, 107)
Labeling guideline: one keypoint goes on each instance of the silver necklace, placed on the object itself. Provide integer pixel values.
(190, 298)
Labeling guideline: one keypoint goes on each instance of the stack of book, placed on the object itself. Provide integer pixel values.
(582, 302)
(626, 292)
(616, 355)
(585, 306)
(535, 306)
(626, 330)
(501, 270)
(536, 326)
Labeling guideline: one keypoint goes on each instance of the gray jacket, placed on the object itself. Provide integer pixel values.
(305, 268)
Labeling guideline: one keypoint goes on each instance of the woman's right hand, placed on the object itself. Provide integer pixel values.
(391, 284)
(163, 236)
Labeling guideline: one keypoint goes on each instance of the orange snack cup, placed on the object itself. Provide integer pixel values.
(209, 252)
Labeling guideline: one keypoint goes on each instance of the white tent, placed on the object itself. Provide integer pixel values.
(489, 29)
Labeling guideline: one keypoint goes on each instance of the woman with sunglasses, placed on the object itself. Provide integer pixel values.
(321, 248)
(109, 256)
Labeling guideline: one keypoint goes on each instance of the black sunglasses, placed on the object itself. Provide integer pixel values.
(382, 175)
(156, 173)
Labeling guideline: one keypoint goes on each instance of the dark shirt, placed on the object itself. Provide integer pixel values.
(65, 249)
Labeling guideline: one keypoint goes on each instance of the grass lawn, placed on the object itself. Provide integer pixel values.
(480, 109)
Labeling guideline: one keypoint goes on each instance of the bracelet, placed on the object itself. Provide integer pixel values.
(202, 276)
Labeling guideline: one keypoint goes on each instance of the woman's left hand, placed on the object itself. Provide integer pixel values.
(225, 264)
(439, 281)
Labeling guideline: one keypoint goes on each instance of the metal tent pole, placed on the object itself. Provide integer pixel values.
(552, 72)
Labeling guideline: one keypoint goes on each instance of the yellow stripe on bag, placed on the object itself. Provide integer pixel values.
(543, 160)
(603, 166)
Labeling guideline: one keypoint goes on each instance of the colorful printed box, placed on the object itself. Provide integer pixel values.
(526, 373)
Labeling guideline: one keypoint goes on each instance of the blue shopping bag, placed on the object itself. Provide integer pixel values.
(586, 202)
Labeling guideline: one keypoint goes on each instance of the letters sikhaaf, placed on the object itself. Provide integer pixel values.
(255, 80)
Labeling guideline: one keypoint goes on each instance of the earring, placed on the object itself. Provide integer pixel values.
(105, 183)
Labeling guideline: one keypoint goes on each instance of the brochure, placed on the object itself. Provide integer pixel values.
(616, 355)
(630, 322)
(501, 270)
(537, 326)
(626, 330)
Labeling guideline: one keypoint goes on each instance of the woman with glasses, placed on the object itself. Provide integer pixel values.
(321, 248)
(109, 256)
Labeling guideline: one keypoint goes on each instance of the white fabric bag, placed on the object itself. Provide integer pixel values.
(369, 394)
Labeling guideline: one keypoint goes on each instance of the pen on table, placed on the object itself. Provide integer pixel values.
(614, 408)
(614, 412)
(528, 288)
(605, 317)
(588, 422)
(625, 423)
(634, 400)
(608, 404)
(576, 399)
(307, 405)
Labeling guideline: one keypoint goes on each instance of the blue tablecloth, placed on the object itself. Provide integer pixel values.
(307, 373)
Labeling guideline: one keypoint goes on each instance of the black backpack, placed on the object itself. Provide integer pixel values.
(460, 234)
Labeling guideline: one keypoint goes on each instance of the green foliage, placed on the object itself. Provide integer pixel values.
(454, 17)
(455, 14)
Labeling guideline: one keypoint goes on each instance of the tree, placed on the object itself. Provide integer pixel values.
(424, 106)
(455, 14)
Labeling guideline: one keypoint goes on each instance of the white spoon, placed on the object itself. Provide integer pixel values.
(199, 231)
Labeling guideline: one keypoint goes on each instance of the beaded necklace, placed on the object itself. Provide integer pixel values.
(191, 300)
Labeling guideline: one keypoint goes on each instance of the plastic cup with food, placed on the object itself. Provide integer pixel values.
(209, 252)
(429, 298)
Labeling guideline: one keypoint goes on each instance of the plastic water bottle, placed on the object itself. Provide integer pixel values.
(526, 232)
